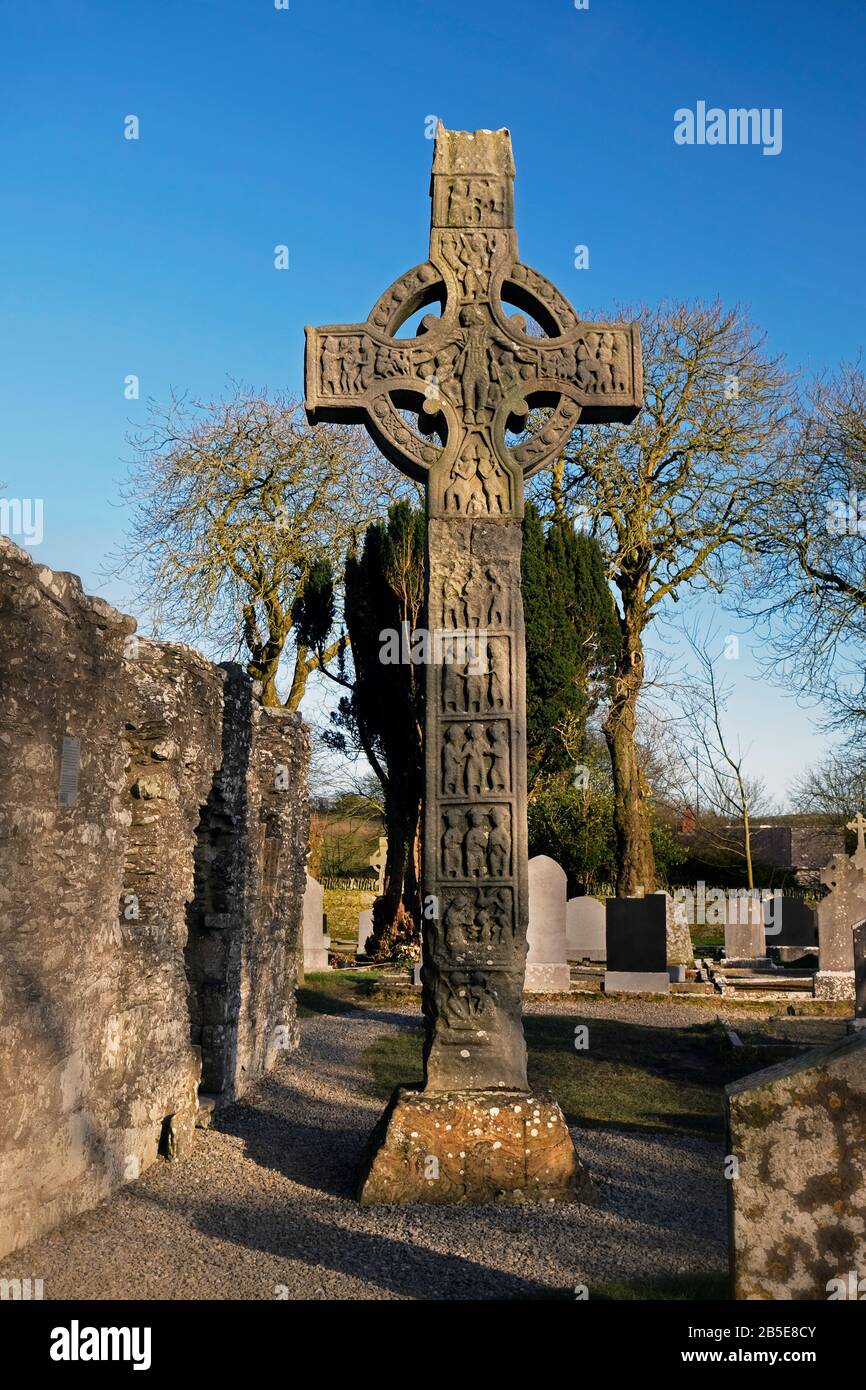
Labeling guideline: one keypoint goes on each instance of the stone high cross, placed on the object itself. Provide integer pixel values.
(471, 376)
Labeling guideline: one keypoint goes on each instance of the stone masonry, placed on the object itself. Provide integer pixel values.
(139, 815)
(798, 1203)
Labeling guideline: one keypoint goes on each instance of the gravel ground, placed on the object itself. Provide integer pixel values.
(262, 1208)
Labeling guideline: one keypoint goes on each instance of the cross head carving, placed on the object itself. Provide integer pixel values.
(474, 371)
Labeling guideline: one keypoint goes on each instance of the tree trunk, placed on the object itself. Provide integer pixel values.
(265, 672)
(397, 913)
(747, 840)
(635, 861)
(299, 680)
(402, 885)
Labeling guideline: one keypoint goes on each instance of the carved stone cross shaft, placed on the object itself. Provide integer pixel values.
(471, 376)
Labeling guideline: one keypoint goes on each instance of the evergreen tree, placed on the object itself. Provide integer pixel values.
(384, 714)
(572, 637)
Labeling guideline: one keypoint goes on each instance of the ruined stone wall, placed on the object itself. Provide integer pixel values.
(244, 942)
(112, 752)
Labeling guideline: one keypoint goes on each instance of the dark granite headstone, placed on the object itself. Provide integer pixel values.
(637, 933)
(860, 970)
(797, 923)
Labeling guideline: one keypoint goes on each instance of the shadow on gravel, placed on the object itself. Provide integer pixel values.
(407, 1023)
(320, 1151)
(394, 1265)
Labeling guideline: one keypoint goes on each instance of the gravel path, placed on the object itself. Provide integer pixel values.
(262, 1208)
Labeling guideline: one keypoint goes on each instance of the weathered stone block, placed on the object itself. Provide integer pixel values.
(679, 939)
(316, 941)
(798, 1207)
(744, 929)
(585, 929)
(834, 986)
(547, 969)
(838, 912)
(365, 929)
(480, 1146)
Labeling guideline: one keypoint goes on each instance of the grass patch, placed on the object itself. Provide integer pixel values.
(712, 1287)
(335, 991)
(630, 1077)
(342, 906)
(395, 1059)
(668, 1288)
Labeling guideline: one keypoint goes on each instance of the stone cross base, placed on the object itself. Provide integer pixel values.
(637, 982)
(547, 979)
(834, 985)
(508, 1147)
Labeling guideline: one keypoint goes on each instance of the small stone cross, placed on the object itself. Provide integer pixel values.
(858, 824)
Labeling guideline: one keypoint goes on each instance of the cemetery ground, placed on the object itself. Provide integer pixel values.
(264, 1205)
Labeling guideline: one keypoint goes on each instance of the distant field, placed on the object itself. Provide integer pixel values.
(342, 906)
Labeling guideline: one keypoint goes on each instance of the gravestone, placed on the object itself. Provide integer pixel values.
(844, 905)
(790, 922)
(859, 934)
(680, 951)
(797, 1202)
(547, 969)
(584, 929)
(316, 942)
(744, 930)
(378, 862)
(365, 929)
(637, 955)
(469, 378)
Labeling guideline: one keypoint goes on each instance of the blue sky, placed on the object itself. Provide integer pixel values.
(306, 126)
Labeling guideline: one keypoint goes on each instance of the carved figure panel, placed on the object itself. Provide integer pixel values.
(478, 921)
(481, 685)
(466, 999)
(471, 202)
(476, 842)
(477, 484)
(476, 758)
(474, 597)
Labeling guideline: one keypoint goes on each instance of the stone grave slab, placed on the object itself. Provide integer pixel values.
(636, 934)
(546, 963)
(365, 929)
(744, 930)
(584, 929)
(316, 940)
(859, 934)
(680, 952)
(790, 922)
(843, 906)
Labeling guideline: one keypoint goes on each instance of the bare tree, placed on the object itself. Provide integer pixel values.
(724, 790)
(242, 514)
(672, 497)
(810, 591)
(836, 787)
